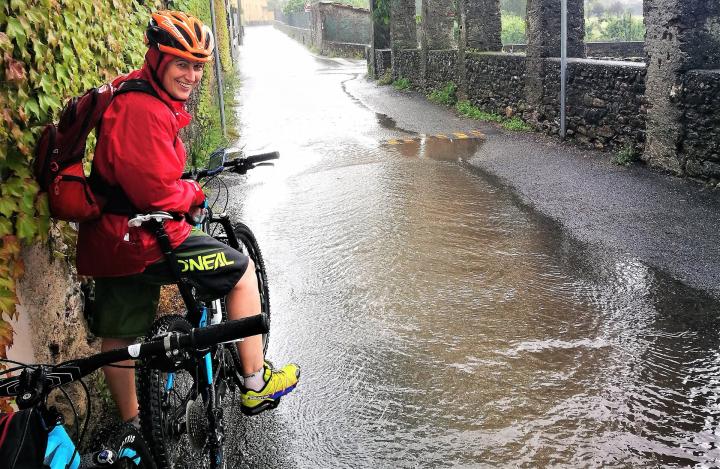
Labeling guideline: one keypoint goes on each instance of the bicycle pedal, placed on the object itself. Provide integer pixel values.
(196, 423)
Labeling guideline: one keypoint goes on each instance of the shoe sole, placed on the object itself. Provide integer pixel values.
(267, 405)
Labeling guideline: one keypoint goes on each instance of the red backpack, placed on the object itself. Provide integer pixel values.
(59, 153)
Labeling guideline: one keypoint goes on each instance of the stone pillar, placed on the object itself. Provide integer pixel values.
(679, 37)
(379, 34)
(482, 25)
(437, 24)
(543, 31)
(543, 34)
(461, 18)
(403, 31)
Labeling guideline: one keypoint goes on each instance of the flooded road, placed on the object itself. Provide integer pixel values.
(439, 321)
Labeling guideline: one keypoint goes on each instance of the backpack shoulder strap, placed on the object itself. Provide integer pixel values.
(137, 84)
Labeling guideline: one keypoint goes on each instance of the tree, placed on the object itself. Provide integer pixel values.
(595, 8)
(616, 8)
(515, 7)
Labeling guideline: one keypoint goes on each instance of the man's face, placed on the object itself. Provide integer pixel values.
(181, 77)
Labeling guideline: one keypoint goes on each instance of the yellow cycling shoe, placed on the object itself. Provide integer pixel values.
(277, 384)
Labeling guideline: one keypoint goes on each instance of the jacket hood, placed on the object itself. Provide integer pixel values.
(154, 66)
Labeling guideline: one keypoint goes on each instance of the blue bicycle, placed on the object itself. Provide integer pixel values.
(35, 437)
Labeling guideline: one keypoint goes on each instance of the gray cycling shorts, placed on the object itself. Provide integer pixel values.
(125, 307)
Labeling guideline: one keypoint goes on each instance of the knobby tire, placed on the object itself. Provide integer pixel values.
(157, 407)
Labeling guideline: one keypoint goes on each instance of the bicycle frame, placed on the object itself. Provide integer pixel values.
(198, 317)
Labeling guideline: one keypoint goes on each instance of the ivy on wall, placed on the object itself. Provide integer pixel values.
(51, 50)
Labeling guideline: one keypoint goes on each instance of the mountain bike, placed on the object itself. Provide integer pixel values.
(181, 409)
(127, 449)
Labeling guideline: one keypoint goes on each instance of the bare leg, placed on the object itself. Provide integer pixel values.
(121, 381)
(242, 301)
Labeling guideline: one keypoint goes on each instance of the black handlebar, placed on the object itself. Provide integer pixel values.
(254, 159)
(239, 166)
(196, 339)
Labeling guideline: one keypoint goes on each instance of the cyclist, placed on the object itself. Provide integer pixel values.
(140, 157)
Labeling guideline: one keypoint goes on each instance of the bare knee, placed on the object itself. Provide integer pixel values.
(248, 281)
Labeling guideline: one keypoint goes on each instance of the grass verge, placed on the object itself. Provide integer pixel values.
(626, 156)
(402, 84)
(447, 95)
(515, 124)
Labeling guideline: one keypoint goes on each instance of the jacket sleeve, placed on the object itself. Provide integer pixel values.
(147, 162)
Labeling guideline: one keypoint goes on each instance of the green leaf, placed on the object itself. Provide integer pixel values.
(26, 227)
(8, 206)
(5, 227)
(17, 5)
(27, 202)
(7, 305)
(15, 31)
(61, 73)
(67, 53)
(13, 187)
(48, 103)
(32, 107)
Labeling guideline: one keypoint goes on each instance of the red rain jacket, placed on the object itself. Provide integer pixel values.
(140, 151)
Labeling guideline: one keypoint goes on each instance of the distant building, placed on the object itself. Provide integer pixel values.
(256, 12)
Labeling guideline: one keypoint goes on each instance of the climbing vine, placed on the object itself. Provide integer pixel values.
(51, 50)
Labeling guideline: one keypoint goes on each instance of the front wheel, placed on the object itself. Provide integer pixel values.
(245, 242)
(173, 409)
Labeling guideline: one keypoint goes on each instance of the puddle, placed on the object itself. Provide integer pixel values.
(439, 148)
(386, 122)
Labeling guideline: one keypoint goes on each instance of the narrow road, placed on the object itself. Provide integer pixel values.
(458, 296)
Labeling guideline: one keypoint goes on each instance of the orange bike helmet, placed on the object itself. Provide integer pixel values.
(181, 35)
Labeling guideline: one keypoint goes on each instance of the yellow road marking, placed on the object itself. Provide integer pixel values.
(458, 135)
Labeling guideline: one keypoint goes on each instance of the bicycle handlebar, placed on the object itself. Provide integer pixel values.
(239, 166)
(196, 339)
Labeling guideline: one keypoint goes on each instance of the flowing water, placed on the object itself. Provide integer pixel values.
(439, 321)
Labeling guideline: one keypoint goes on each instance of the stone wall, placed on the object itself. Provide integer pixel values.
(496, 81)
(660, 99)
(332, 29)
(441, 69)
(406, 64)
(343, 49)
(617, 50)
(383, 61)
(606, 106)
(303, 36)
(606, 50)
(298, 20)
(701, 107)
(345, 24)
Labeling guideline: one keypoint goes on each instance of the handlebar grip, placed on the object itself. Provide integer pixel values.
(229, 330)
(273, 155)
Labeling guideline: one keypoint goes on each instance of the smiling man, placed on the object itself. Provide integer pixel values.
(139, 161)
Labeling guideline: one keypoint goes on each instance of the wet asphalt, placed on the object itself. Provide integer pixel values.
(666, 222)
(565, 302)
